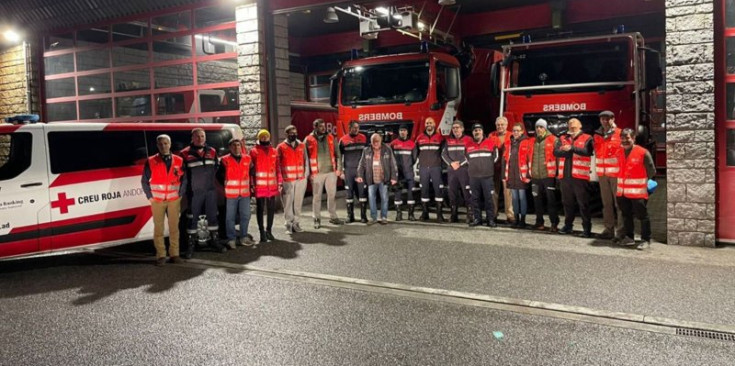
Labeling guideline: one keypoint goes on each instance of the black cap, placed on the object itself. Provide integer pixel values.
(476, 126)
(404, 127)
(607, 114)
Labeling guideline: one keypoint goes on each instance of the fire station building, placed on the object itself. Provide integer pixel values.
(267, 64)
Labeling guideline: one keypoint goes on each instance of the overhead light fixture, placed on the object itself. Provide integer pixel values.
(447, 2)
(330, 16)
(11, 36)
(382, 10)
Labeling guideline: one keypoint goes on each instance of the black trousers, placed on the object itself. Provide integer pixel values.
(354, 189)
(261, 204)
(407, 184)
(203, 202)
(544, 200)
(431, 177)
(482, 190)
(635, 208)
(576, 192)
(459, 181)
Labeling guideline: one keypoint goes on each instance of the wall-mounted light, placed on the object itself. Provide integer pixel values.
(330, 16)
(11, 36)
(447, 2)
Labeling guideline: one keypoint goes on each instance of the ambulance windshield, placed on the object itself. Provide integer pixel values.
(405, 82)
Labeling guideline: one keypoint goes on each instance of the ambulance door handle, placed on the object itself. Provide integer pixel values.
(28, 185)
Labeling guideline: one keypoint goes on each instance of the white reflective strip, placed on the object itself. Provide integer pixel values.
(174, 187)
(428, 147)
(455, 148)
(398, 202)
(194, 164)
(580, 172)
(599, 161)
(293, 168)
(232, 183)
(551, 165)
(411, 202)
(632, 182)
(613, 170)
(426, 200)
(266, 182)
(635, 191)
(403, 152)
(610, 161)
(159, 187)
(582, 163)
(480, 155)
(209, 162)
(354, 147)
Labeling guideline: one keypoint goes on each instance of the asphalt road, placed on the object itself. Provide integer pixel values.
(93, 310)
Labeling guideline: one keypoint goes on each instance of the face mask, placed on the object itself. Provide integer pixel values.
(264, 143)
(292, 138)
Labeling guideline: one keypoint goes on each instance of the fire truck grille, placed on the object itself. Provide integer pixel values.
(389, 129)
(558, 122)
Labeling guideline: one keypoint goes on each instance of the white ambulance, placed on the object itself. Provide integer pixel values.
(71, 186)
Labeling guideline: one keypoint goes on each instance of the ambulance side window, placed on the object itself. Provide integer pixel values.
(73, 151)
(180, 139)
(15, 154)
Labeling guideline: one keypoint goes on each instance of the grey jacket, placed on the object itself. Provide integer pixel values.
(388, 161)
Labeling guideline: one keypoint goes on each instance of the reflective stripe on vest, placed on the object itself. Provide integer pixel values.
(606, 153)
(581, 165)
(165, 184)
(633, 179)
(237, 176)
(291, 161)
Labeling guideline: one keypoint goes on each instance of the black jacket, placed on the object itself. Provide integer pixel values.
(387, 160)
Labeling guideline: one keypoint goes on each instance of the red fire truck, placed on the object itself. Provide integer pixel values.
(560, 79)
(384, 92)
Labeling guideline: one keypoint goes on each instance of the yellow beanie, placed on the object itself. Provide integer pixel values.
(265, 133)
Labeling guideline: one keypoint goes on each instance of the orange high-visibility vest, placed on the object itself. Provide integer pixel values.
(312, 145)
(523, 159)
(549, 157)
(291, 161)
(165, 184)
(581, 165)
(237, 176)
(633, 179)
(606, 154)
(266, 176)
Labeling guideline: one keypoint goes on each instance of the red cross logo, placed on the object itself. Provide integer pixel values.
(62, 203)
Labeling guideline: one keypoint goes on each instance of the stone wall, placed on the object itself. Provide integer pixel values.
(13, 83)
(283, 75)
(251, 71)
(690, 122)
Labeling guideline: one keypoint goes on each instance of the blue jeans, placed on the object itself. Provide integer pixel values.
(372, 192)
(520, 203)
(239, 205)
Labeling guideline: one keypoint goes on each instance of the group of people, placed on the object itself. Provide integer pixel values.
(480, 167)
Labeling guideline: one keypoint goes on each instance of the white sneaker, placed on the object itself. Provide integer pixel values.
(246, 241)
(643, 245)
(231, 244)
(297, 228)
(627, 242)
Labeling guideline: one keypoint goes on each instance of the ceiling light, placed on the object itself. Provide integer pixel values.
(447, 2)
(382, 10)
(421, 26)
(11, 36)
(330, 16)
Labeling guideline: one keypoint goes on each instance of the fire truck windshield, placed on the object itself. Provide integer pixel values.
(405, 82)
(571, 64)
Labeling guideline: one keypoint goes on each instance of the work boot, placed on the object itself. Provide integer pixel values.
(477, 220)
(586, 230)
(453, 215)
(424, 211)
(269, 235)
(399, 214)
(214, 242)
(491, 220)
(566, 230)
(515, 223)
(363, 214)
(439, 213)
(470, 215)
(192, 243)
(522, 222)
(411, 217)
(350, 212)
(263, 237)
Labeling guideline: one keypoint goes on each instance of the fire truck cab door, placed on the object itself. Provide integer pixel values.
(24, 199)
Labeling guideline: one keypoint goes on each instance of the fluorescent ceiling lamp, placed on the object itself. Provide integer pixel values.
(382, 10)
(216, 40)
(11, 36)
(447, 2)
(330, 16)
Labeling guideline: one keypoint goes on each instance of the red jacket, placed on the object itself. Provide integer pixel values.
(267, 172)
(524, 148)
(291, 161)
(607, 150)
(237, 175)
(165, 184)
(633, 179)
(581, 165)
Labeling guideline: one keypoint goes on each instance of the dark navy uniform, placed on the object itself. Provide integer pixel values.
(405, 153)
(351, 148)
(430, 171)
(481, 160)
(457, 180)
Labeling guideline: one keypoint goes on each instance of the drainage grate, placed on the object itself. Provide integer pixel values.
(706, 334)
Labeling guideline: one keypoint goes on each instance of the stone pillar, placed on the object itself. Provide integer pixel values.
(690, 122)
(14, 83)
(251, 71)
(283, 76)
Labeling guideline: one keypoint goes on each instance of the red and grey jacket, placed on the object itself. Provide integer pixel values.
(405, 153)
(481, 158)
(312, 147)
(525, 146)
(237, 175)
(454, 150)
(351, 149)
(430, 149)
(201, 165)
(549, 158)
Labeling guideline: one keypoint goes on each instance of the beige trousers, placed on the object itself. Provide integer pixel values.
(318, 183)
(507, 199)
(160, 209)
(292, 197)
(611, 214)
